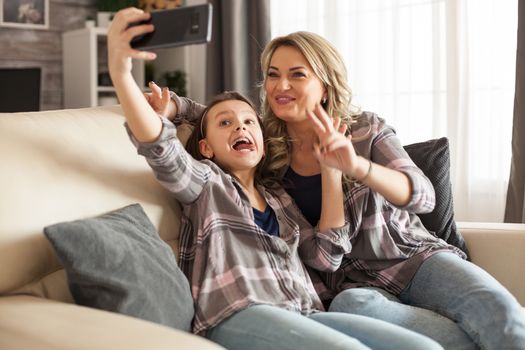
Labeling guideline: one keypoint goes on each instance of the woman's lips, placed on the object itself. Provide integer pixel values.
(283, 100)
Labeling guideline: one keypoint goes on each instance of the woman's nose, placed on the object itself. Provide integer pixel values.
(283, 84)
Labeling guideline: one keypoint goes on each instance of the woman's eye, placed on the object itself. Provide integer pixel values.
(272, 75)
(298, 75)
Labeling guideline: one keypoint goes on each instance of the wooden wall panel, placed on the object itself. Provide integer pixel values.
(43, 48)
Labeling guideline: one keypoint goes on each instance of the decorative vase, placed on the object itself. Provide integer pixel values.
(89, 23)
(104, 19)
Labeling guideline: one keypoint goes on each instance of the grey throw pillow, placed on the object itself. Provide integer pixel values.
(433, 158)
(117, 262)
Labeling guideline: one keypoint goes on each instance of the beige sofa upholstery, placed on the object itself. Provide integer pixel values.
(70, 164)
(59, 166)
(500, 250)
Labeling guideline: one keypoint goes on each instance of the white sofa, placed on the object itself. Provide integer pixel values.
(70, 164)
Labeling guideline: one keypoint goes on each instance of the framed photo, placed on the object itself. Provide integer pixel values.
(24, 14)
(151, 5)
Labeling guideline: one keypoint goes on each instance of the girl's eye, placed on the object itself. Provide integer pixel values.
(224, 122)
(250, 121)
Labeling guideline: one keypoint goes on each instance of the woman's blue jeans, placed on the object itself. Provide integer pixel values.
(469, 307)
(264, 327)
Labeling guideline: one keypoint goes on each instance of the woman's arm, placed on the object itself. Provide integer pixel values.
(392, 184)
(391, 158)
(332, 207)
(337, 151)
(324, 247)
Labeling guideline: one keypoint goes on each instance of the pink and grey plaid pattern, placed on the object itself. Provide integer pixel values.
(389, 243)
(231, 262)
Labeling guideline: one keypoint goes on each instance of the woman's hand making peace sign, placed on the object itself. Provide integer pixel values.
(335, 150)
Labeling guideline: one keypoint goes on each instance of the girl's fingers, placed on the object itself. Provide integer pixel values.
(165, 96)
(134, 31)
(125, 17)
(133, 14)
(155, 90)
(142, 55)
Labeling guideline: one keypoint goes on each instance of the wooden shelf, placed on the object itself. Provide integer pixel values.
(81, 67)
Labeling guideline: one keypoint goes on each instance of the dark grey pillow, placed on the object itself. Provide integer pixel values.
(433, 158)
(117, 262)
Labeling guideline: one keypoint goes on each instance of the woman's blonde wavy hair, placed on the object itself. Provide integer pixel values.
(329, 67)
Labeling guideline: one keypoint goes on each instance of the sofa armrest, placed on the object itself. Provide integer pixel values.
(35, 323)
(500, 250)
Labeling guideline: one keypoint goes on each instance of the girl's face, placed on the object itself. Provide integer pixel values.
(291, 85)
(234, 136)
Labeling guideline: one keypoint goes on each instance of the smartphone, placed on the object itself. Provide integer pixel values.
(176, 27)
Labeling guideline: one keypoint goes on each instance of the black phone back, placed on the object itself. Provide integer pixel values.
(176, 27)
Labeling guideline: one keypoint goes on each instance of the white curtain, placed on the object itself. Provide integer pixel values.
(431, 68)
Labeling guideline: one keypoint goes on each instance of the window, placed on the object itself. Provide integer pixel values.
(431, 68)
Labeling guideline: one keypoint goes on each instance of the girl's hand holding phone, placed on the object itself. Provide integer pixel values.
(120, 34)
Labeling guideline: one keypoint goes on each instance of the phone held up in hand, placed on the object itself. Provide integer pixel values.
(176, 27)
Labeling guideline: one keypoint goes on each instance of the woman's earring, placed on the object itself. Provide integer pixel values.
(324, 100)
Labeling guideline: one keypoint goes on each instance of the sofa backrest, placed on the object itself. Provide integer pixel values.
(65, 165)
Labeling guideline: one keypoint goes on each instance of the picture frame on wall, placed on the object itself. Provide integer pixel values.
(151, 5)
(27, 14)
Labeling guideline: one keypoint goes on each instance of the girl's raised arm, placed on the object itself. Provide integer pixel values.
(142, 119)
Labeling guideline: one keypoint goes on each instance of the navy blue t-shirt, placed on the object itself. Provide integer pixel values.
(267, 220)
(307, 192)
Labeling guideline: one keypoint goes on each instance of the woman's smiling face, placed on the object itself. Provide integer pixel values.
(291, 85)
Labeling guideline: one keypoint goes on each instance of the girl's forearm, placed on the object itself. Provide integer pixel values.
(144, 123)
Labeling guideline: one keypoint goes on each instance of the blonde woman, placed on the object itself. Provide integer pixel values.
(397, 271)
(393, 255)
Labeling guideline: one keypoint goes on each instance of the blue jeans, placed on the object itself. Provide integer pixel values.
(469, 307)
(264, 327)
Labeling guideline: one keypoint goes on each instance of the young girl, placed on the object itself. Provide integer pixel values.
(240, 233)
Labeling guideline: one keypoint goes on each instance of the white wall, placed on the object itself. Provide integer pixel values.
(190, 59)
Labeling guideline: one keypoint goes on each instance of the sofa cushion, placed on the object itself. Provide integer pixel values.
(60, 166)
(433, 158)
(117, 262)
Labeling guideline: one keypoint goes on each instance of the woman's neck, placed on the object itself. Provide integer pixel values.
(303, 160)
(302, 135)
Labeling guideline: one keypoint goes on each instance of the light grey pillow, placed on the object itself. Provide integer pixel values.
(117, 262)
